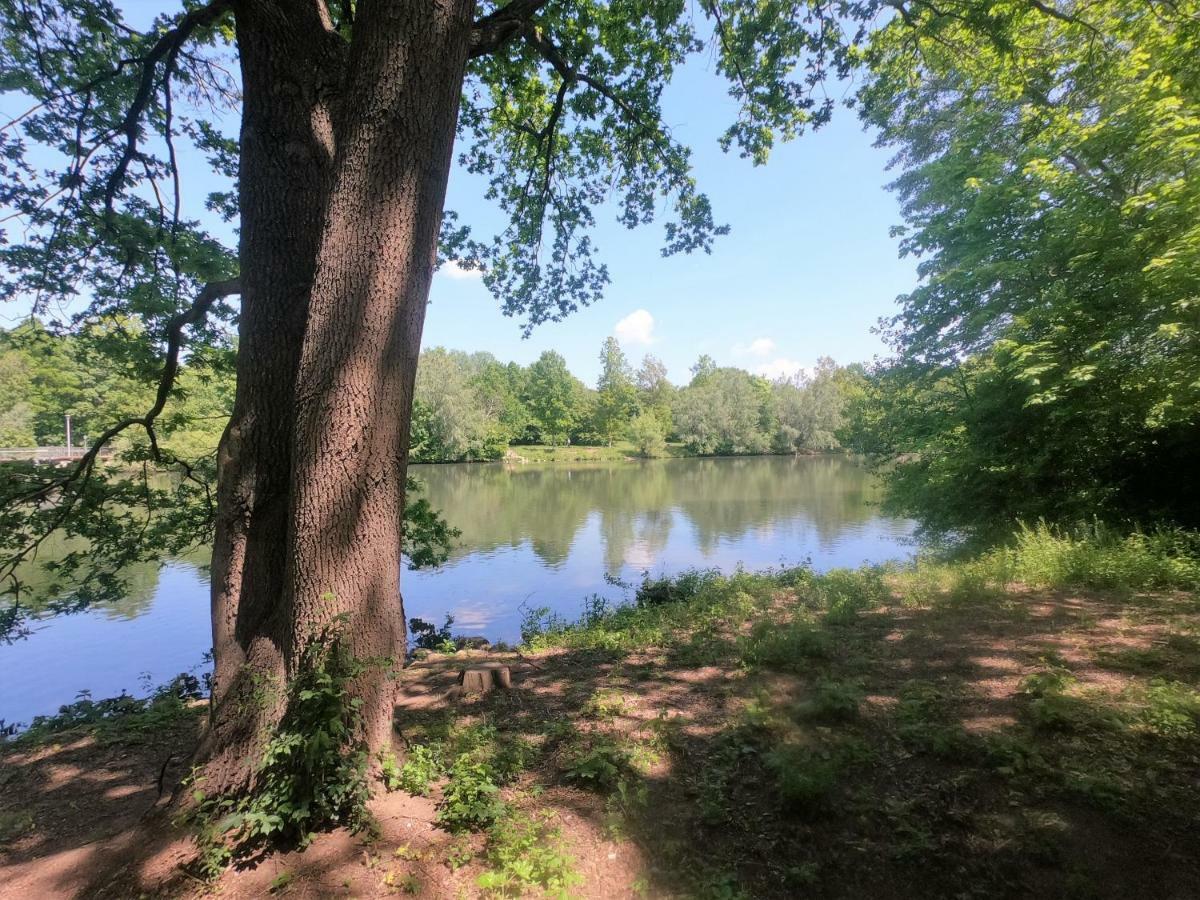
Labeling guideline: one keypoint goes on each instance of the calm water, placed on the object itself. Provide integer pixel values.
(531, 535)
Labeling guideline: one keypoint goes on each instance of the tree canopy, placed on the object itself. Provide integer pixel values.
(1048, 365)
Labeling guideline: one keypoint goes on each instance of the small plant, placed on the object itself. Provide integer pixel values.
(421, 768)
(681, 588)
(605, 704)
(1048, 705)
(313, 770)
(832, 701)
(14, 824)
(389, 772)
(785, 647)
(599, 765)
(471, 799)
(125, 718)
(926, 722)
(804, 778)
(1171, 710)
(281, 882)
(524, 853)
(459, 853)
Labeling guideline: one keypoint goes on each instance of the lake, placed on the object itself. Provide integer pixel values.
(532, 536)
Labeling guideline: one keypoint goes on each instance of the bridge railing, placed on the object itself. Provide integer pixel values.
(46, 454)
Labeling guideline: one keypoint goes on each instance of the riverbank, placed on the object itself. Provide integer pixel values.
(619, 451)
(1023, 724)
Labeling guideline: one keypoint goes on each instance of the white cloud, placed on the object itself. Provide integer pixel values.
(758, 347)
(454, 269)
(636, 328)
(779, 368)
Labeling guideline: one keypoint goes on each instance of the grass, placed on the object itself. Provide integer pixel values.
(990, 786)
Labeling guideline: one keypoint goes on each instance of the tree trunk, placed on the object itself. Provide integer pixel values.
(345, 155)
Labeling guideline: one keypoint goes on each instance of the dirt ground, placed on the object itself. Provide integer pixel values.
(949, 776)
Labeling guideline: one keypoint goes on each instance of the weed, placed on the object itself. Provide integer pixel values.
(422, 766)
(926, 722)
(459, 853)
(599, 764)
(280, 883)
(787, 647)
(123, 718)
(605, 704)
(471, 799)
(682, 588)
(1170, 710)
(803, 777)
(523, 853)
(831, 701)
(313, 770)
(13, 824)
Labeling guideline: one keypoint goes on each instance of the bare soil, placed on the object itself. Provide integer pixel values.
(967, 800)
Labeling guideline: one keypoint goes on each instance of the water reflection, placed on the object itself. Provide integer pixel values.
(532, 535)
(545, 535)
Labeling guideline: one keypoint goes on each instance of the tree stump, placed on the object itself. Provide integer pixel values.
(482, 679)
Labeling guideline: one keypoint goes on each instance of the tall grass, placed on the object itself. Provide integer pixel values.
(1039, 556)
(784, 614)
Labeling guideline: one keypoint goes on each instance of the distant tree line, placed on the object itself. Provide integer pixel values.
(468, 406)
(45, 376)
(471, 406)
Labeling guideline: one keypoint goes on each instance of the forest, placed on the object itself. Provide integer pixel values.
(1010, 710)
(468, 406)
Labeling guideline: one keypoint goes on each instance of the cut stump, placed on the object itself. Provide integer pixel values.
(482, 679)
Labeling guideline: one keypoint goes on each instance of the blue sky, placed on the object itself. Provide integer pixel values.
(806, 271)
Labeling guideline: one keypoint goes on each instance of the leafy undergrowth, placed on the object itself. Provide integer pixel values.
(939, 729)
(1023, 724)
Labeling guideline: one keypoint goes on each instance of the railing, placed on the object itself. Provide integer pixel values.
(46, 454)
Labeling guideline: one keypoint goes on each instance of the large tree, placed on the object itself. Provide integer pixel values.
(347, 114)
(1049, 362)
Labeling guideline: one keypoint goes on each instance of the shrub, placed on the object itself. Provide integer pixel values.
(428, 636)
(422, 766)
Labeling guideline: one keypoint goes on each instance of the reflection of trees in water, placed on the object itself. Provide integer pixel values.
(724, 499)
(141, 580)
(505, 506)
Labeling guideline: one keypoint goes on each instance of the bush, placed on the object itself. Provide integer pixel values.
(427, 636)
(682, 588)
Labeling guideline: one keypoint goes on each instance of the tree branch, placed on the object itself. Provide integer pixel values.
(501, 26)
(167, 47)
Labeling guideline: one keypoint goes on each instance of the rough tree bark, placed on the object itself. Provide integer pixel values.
(345, 154)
